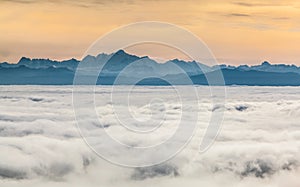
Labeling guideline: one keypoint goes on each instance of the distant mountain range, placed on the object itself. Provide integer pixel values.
(130, 67)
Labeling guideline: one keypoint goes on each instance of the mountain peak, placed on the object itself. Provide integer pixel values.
(145, 57)
(24, 60)
(122, 55)
(88, 58)
(121, 52)
(266, 63)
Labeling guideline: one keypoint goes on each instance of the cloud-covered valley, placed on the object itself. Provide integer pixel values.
(40, 144)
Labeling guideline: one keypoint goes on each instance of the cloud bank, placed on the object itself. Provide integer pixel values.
(40, 144)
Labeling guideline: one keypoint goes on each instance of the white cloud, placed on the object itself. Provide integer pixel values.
(258, 145)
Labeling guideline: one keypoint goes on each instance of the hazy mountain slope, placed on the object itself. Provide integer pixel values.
(130, 68)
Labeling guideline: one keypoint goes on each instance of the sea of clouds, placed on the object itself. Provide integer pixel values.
(41, 145)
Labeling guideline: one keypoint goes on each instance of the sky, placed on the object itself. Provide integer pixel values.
(236, 31)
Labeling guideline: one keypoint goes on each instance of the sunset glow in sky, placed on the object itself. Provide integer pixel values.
(237, 32)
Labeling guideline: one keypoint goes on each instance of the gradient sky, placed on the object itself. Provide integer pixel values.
(237, 32)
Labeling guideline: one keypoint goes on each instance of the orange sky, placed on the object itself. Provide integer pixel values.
(238, 32)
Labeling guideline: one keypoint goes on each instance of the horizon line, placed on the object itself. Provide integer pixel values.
(151, 58)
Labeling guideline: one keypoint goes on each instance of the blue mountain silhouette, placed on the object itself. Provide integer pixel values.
(130, 67)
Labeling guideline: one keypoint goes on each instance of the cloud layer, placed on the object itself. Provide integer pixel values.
(40, 144)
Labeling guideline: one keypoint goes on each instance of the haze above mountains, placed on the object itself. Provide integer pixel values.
(127, 66)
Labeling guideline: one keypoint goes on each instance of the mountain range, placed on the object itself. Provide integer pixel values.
(131, 67)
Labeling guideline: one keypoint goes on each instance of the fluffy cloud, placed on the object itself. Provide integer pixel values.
(40, 144)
